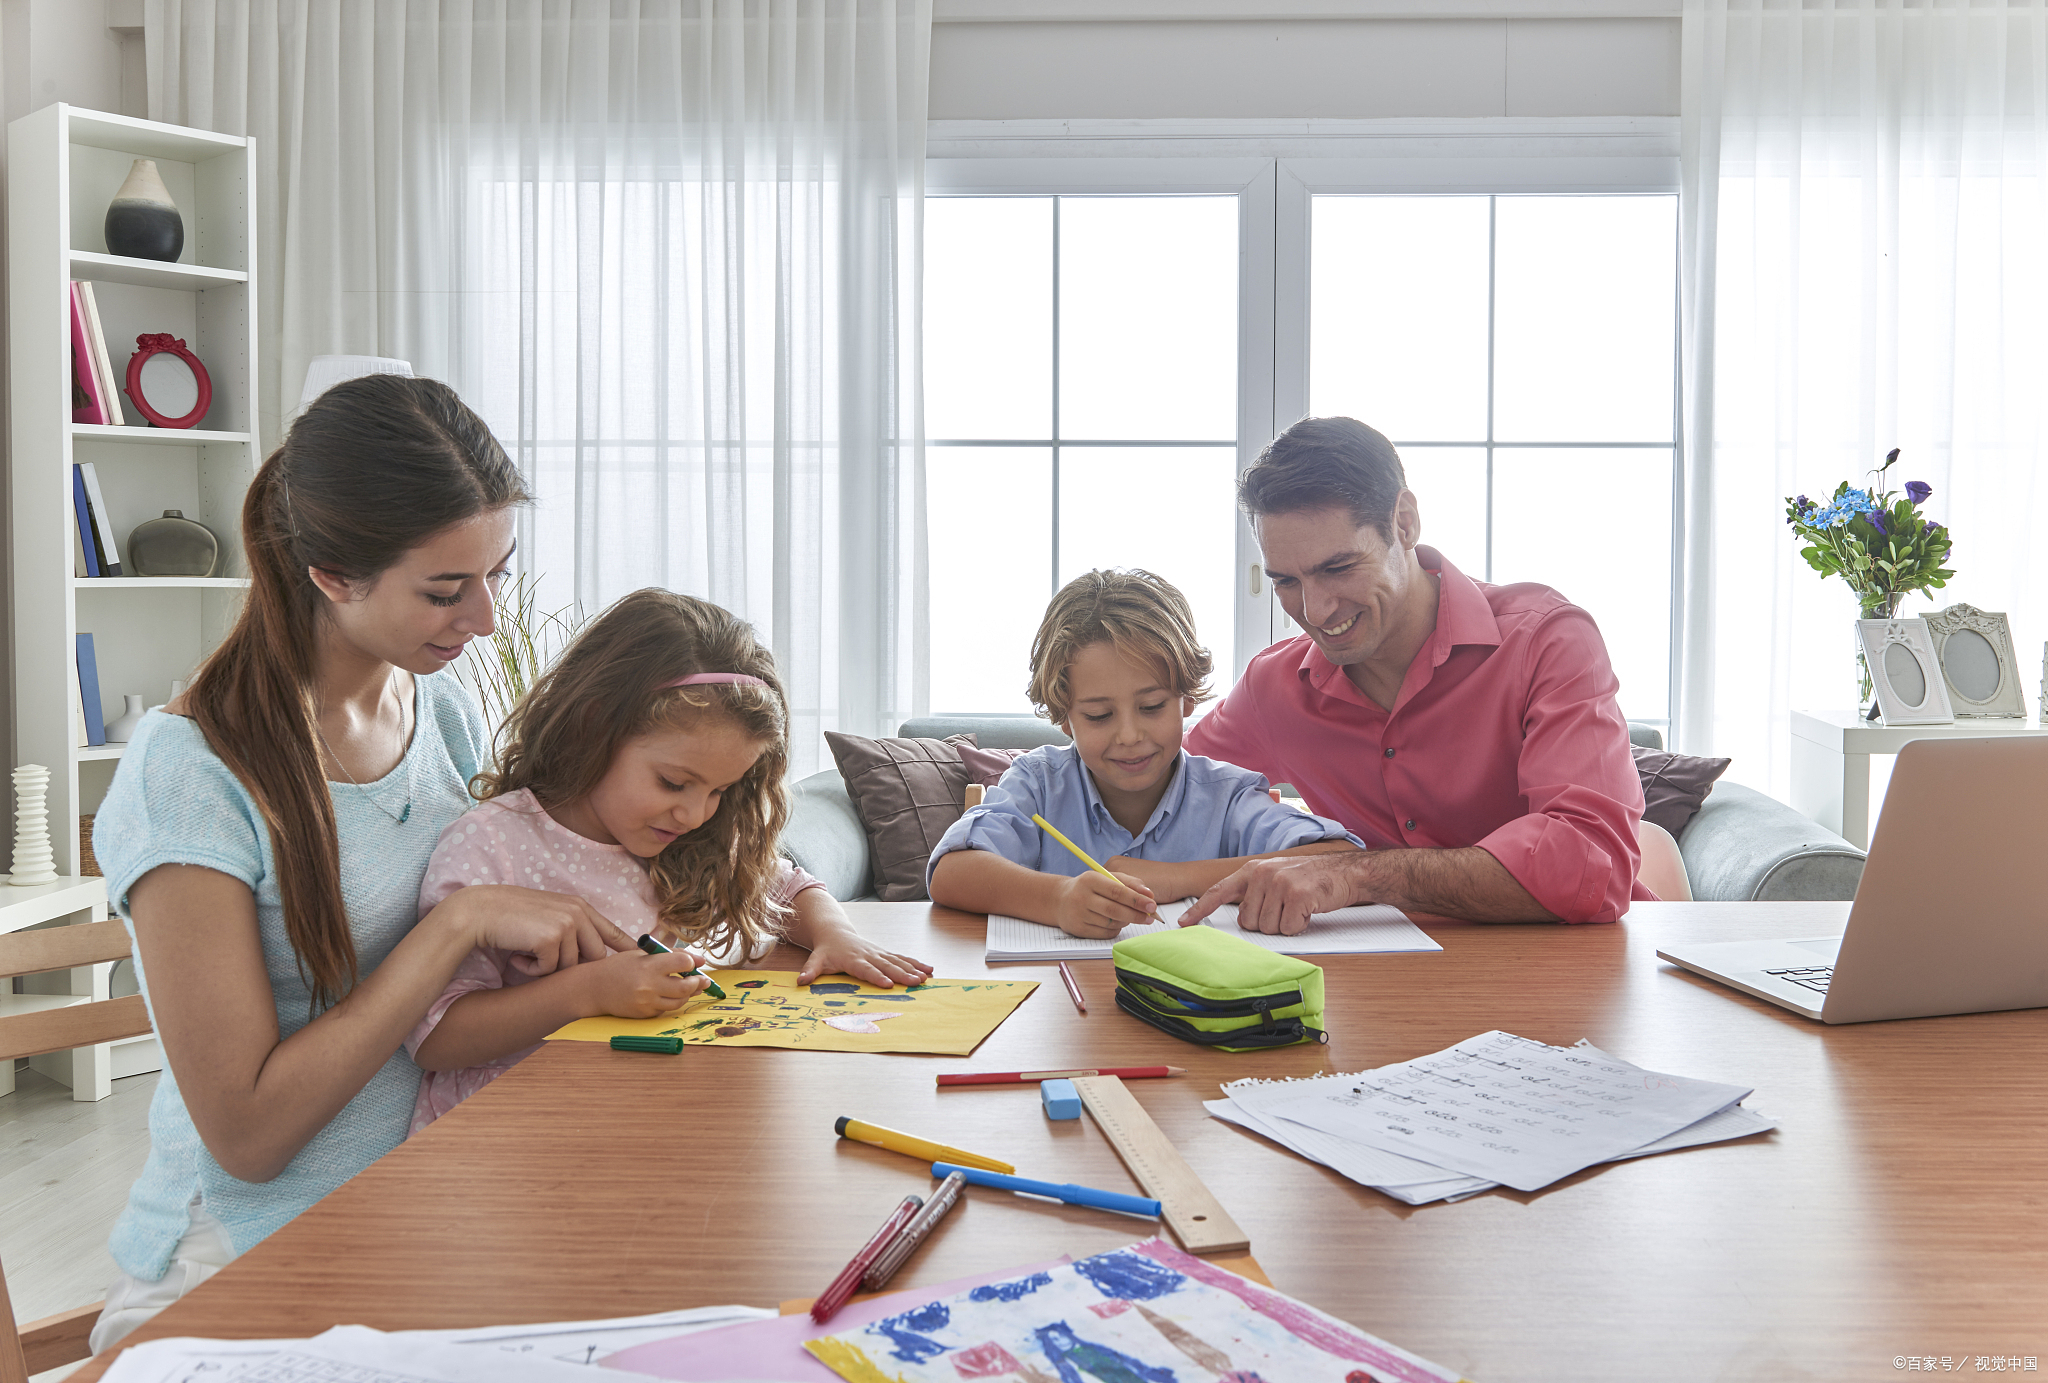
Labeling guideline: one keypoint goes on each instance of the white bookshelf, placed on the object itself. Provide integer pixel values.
(64, 166)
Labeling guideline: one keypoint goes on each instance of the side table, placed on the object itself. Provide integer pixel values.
(1831, 761)
(72, 898)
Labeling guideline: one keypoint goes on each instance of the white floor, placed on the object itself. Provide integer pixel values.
(65, 1169)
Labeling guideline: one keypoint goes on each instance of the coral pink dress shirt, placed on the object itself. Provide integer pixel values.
(1505, 735)
(512, 840)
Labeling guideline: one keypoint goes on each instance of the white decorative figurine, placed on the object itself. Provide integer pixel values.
(33, 863)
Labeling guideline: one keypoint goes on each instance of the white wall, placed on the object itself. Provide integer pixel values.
(1303, 68)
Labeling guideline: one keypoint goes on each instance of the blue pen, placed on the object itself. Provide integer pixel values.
(1053, 1190)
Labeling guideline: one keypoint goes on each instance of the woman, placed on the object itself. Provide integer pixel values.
(265, 839)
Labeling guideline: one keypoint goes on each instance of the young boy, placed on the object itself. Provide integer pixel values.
(1117, 667)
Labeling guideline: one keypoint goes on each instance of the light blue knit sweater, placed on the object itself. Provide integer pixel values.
(174, 802)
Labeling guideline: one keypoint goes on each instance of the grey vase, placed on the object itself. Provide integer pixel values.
(142, 220)
(173, 546)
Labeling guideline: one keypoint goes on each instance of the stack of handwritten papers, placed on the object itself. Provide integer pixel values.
(1496, 1110)
(1141, 1313)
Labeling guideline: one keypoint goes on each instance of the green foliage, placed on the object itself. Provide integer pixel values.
(1875, 540)
(502, 668)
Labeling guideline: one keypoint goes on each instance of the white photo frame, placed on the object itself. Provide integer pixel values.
(1905, 672)
(1978, 665)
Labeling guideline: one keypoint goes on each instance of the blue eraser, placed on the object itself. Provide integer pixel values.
(1060, 1099)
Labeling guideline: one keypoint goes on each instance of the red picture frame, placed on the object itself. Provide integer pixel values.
(159, 343)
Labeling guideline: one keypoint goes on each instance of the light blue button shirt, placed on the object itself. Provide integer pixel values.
(1211, 811)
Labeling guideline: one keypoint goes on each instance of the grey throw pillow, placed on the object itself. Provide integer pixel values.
(907, 792)
(1674, 785)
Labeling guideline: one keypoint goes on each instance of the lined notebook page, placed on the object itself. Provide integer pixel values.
(1345, 932)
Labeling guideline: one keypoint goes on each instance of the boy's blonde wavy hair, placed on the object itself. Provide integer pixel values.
(610, 685)
(1135, 612)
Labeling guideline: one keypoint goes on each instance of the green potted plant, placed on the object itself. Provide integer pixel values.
(1879, 543)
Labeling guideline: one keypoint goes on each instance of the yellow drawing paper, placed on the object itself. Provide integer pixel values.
(836, 1013)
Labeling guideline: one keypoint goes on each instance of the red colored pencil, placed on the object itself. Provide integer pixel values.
(849, 1277)
(1014, 1077)
(1073, 988)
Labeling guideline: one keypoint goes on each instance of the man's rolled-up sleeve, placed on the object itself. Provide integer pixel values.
(1576, 851)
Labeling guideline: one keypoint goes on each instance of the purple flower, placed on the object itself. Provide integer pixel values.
(1802, 503)
(1929, 528)
(1918, 491)
(1876, 517)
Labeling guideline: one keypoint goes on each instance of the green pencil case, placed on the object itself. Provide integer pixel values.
(1217, 990)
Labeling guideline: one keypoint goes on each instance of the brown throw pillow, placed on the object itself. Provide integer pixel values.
(907, 792)
(1674, 785)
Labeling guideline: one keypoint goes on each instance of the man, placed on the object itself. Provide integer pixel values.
(1467, 733)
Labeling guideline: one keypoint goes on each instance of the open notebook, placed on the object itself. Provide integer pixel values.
(1347, 931)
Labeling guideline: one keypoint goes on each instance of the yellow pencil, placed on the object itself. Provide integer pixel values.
(1081, 855)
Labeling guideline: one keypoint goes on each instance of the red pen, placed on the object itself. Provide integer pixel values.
(1015, 1077)
(1073, 989)
(849, 1276)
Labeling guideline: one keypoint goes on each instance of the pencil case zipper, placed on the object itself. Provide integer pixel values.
(1260, 1004)
(1271, 1032)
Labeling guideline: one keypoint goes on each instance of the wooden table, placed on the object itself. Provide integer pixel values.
(1897, 1211)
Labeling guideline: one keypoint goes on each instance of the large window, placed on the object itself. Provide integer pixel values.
(1521, 354)
(1083, 373)
(1081, 410)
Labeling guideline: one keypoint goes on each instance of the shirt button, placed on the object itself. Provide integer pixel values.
(1390, 753)
(1410, 824)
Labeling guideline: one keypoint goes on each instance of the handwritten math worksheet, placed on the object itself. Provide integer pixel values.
(1508, 1109)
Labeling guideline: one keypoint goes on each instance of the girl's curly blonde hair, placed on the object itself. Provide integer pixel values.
(611, 684)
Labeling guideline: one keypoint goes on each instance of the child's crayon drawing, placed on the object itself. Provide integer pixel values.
(768, 1008)
(1145, 1314)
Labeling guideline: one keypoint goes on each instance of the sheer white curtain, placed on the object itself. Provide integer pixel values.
(1866, 267)
(668, 250)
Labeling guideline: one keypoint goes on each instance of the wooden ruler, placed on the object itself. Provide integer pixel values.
(1195, 1216)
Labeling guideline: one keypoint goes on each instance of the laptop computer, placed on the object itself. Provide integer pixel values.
(1952, 913)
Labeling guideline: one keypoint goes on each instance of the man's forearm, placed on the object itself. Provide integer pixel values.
(1466, 883)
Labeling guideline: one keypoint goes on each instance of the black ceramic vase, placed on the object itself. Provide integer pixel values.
(142, 221)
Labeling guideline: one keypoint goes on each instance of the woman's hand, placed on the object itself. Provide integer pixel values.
(544, 931)
(637, 986)
(843, 951)
(1092, 906)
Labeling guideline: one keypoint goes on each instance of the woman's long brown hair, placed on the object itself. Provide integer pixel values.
(610, 685)
(374, 468)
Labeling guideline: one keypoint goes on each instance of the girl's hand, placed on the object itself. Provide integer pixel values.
(843, 951)
(545, 931)
(1092, 906)
(639, 986)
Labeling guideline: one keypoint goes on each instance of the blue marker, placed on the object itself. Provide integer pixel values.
(1053, 1190)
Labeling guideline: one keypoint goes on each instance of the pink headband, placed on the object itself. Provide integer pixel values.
(701, 678)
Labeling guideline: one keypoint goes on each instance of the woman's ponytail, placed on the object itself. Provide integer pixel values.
(374, 468)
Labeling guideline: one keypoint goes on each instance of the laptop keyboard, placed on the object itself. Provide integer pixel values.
(1813, 977)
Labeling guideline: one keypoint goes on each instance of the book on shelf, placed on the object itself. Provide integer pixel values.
(102, 523)
(89, 693)
(103, 363)
(86, 401)
(85, 550)
(78, 730)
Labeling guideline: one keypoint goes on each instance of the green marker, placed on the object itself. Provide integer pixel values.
(655, 948)
(667, 1046)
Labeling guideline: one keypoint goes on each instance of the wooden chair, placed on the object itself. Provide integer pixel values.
(60, 1339)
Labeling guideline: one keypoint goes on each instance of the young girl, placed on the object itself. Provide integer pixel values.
(643, 773)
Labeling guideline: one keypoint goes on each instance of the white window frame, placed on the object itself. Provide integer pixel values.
(1275, 168)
